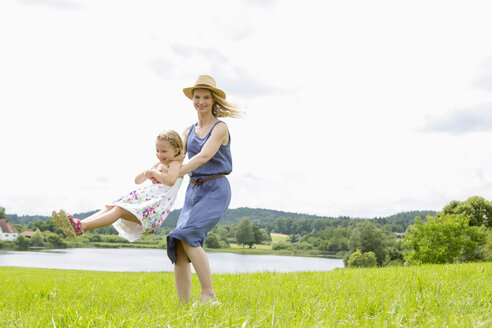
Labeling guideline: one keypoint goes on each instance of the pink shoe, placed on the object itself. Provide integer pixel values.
(76, 224)
(71, 227)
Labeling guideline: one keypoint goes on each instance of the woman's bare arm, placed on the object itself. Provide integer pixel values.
(168, 178)
(217, 138)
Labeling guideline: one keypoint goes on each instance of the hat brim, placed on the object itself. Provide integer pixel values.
(189, 91)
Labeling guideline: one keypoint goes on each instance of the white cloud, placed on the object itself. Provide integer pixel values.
(474, 119)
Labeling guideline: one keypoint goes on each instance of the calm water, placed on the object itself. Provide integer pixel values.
(124, 259)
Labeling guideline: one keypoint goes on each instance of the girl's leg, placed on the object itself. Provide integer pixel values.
(182, 273)
(96, 215)
(200, 262)
(108, 218)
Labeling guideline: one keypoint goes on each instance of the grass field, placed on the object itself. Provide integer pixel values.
(279, 237)
(420, 296)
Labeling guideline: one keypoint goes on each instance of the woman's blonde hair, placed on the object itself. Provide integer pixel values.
(223, 108)
(174, 139)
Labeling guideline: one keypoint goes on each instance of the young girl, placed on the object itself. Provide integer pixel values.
(143, 210)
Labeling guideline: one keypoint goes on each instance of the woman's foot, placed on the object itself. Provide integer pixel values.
(71, 227)
(214, 302)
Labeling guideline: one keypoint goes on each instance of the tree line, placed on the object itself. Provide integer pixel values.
(462, 231)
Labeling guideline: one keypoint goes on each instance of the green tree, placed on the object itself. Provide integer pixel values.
(224, 233)
(54, 240)
(362, 260)
(44, 225)
(443, 239)
(212, 241)
(244, 232)
(94, 237)
(283, 225)
(260, 235)
(476, 208)
(37, 239)
(334, 239)
(2, 214)
(368, 238)
(395, 253)
(266, 234)
(21, 242)
(487, 248)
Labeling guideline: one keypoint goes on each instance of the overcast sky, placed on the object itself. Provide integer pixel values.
(357, 108)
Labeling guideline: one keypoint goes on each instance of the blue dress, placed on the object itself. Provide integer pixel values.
(206, 203)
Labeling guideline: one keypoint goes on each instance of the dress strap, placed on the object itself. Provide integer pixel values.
(192, 130)
(209, 132)
(213, 126)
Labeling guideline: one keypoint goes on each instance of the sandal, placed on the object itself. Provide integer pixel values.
(71, 227)
(76, 224)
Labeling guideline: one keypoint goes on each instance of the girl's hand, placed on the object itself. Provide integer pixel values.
(153, 172)
(148, 174)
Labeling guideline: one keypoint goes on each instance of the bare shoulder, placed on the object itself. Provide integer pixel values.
(221, 133)
(221, 128)
(184, 137)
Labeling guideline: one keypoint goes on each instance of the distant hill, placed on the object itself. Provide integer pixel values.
(259, 216)
(25, 219)
(406, 218)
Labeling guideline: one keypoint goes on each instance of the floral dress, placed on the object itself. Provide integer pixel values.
(150, 204)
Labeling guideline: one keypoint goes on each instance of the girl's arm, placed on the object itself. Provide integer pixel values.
(143, 175)
(217, 138)
(169, 177)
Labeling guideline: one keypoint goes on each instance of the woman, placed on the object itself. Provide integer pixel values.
(208, 194)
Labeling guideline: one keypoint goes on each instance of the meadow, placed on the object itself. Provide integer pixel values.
(458, 295)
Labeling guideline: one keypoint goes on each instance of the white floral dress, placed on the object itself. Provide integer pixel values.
(150, 204)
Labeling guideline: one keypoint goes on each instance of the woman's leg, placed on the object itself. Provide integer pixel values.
(182, 273)
(108, 218)
(200, 262)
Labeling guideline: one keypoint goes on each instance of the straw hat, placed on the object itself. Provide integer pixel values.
(204, 82)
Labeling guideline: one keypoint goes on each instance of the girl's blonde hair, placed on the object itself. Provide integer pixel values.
(223, 108)
(174, 139)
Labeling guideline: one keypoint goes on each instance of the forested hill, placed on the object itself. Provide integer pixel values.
(260, 216)
(266, 218)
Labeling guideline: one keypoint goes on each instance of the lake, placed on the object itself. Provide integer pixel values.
(152, 260)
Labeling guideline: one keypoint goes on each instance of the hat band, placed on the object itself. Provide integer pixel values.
(203, 85)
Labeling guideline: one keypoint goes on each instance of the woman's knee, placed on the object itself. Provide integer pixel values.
(181, 255)
(187, 247)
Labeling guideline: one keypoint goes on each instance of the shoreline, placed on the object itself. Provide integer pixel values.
(238, 251)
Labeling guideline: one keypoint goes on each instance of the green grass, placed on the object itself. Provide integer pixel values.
(279, 237)
(420, 296)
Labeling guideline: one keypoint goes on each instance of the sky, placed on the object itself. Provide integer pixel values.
(352, 108)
